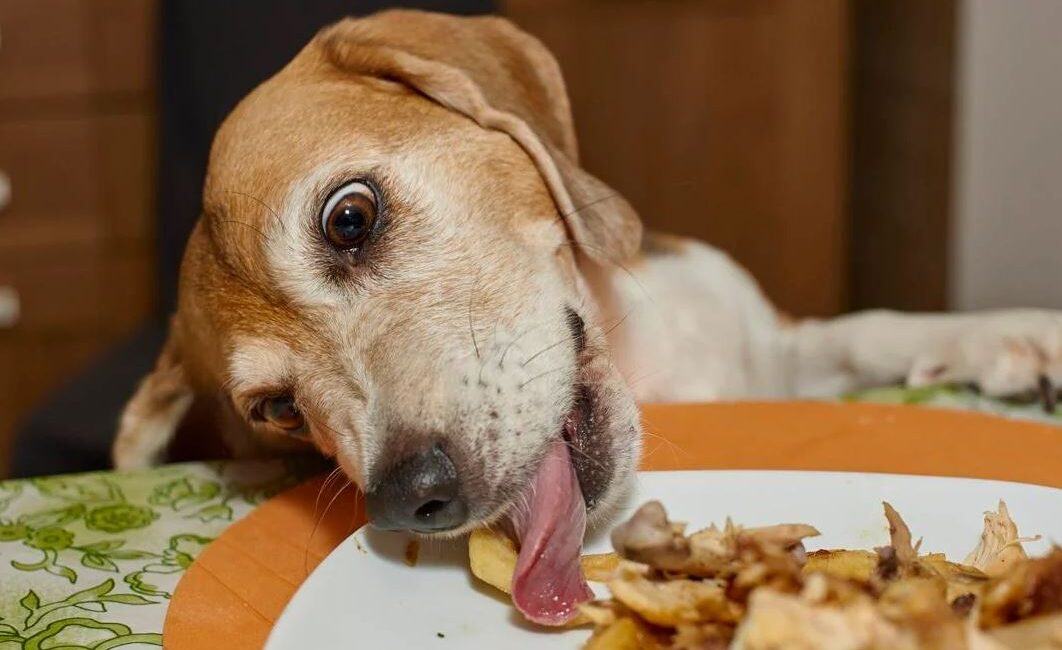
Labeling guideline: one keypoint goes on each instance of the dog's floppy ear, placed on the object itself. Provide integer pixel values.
(504, 79)
(151, 417)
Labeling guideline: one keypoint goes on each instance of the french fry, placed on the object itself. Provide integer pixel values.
(671, 603)
(601, 614)
(492, 557)
(624, 634)
(852, 565)
(601, 567)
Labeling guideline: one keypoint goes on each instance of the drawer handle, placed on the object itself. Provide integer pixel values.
(9, 307)
(5, 190)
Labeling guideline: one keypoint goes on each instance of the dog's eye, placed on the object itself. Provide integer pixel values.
(348, 215)
(281, 412)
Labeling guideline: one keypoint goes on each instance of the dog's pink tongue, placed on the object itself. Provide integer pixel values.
(548, 584)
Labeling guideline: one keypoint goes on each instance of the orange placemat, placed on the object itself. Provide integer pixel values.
(230, 597)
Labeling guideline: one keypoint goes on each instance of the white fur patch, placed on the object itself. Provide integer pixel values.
(143, 439)
(255, 365)
(294, 237)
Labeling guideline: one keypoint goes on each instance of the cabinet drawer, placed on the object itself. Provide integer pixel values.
(70, 291)
(90, 174)
(57, 48)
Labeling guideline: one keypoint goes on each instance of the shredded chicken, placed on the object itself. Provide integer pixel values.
(778, 621)
(648, 537)
(756, 589)
(1000, 547)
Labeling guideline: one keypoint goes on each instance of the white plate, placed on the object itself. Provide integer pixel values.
(364, 596)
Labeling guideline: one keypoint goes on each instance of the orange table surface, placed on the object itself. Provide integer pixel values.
(231, 596)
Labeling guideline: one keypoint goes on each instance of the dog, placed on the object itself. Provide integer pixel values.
(401, 264)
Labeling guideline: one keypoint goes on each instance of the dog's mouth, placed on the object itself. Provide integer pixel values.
(549, 521)
(585, 434)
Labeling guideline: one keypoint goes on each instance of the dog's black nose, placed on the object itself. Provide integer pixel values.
(420, 493)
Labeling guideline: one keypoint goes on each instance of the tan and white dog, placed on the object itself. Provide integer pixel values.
(401, 263)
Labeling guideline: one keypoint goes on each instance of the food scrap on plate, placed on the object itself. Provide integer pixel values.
(412, 554)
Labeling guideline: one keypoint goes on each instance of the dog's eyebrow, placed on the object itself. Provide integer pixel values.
(259, 366)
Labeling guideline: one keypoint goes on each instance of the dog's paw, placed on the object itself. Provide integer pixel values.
(1004, 355)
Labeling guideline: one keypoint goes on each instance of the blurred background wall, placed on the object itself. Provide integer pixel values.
(78, 156)
(1008, 217)
(850, 153)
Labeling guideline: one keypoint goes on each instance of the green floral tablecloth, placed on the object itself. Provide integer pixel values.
(91, 560)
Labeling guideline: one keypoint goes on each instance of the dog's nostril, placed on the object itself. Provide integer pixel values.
(430, 509)
(420, 493)
(578, 328)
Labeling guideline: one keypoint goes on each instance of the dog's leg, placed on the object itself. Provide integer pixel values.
(151, 417)
(1003, 353)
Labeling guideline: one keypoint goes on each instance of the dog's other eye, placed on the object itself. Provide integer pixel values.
(281, 412)
(348, 215)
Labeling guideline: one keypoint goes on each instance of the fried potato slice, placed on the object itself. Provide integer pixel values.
(601, 613)
(601, 567)
(861, 566)
(622, 634)
(671, 603)
(961, 579)
(849, 565)
(712, 636)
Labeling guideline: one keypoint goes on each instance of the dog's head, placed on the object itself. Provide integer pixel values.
(390, 267)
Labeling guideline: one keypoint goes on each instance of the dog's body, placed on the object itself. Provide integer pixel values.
(496, 298)
(696, 327)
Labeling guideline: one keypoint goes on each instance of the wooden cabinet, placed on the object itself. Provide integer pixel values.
(77, 176)
(719, 119)
(84, 174)
(76, 49)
